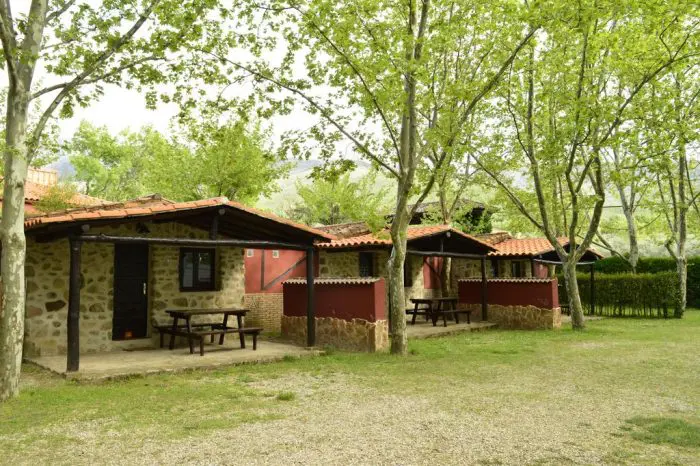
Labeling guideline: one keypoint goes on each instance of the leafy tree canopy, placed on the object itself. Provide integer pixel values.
(341, 200)
(211, 160)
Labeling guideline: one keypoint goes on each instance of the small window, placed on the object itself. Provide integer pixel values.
(366, 264)
(250, 252)
(275, 254)
(407, 273)
(494, 268)
(517, 269)
(197, 269)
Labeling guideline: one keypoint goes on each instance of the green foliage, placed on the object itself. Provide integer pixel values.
(341, 200)
(210, 160)
(57, 197)
(660, 430)
(627, 294)
(230, 160)
(286, 396)
(464, 218)
(654, 265)
(106, 166)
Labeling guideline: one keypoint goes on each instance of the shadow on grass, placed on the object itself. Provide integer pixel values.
(659, 430)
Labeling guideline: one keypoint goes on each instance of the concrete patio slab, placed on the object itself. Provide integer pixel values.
(115, 364)
(426, 329)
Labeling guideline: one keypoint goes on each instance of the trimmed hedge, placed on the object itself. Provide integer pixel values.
(627, 294)
(654, 265)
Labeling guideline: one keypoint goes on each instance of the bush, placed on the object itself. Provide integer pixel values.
(653, 265)
(627, 294)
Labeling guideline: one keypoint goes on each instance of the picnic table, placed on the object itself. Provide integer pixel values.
(433, 308)
(197, 331)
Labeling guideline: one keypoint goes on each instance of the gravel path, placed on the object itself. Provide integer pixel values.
(339, 419)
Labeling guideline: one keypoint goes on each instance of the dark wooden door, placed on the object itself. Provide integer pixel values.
(130, 291)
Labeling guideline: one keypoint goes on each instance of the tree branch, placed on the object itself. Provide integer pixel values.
(323, 110)
(59, 11)
(102, 77)
(80, 78)
(511, 195)
(9, 41)
(359, 75)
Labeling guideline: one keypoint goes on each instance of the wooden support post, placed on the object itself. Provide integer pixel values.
(310, 301)
(532, 268)
(484, 282)
(73, 323)
(593, 288)
(214, 229)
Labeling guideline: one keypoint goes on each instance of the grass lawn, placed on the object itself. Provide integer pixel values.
(625, 391)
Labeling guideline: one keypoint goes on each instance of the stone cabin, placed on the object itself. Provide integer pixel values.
(125, 287)
(357, 252)
(366, 255)
(525, 257)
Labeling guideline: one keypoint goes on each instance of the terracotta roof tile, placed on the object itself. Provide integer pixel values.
(334, 281)
(346, 230)
(35, 192)
(270, 216)
(494, 238)
(509, 280)
(85, 215)
(158, 205)
(525, 246)
(382, 238)
(529, 247)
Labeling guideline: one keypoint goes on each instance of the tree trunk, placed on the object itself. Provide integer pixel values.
(682, 270)
(633, 258)
(397, 298)
(681, 259)
(577, 321)
(627, 210)
(13, 244)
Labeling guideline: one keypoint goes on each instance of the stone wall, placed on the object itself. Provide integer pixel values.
(265, 311)
(47, 271)
(338, 264)
(347, 264)
(354, 335)
(505, 269)
(520, 317)
(466, 268)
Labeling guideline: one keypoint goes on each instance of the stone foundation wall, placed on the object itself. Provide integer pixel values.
(265, 311)
(47, 272)
(355, 335)
(519, 317)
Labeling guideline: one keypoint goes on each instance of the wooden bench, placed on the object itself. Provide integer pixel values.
(213, 329)
(418, 310)
(217, 329)
(455, 313)
(168, 330)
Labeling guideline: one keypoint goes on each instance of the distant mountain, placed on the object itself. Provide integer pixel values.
(63, 167)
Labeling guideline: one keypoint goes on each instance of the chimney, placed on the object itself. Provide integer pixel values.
(46, 177)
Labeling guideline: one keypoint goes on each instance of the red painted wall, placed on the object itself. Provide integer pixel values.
(541, 270)
(342, 301)
(542, 293)
(432, 266)
(268, 279)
